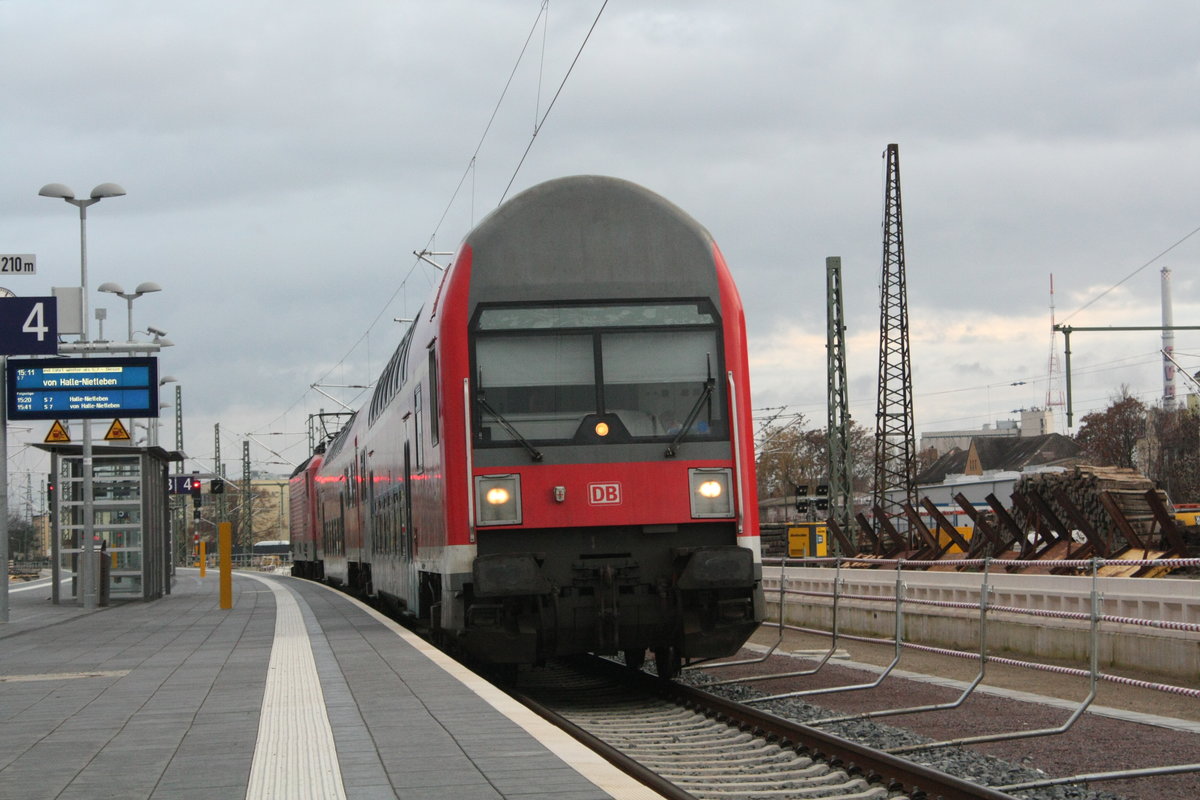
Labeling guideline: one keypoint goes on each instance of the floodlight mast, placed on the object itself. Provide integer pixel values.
(89, 573)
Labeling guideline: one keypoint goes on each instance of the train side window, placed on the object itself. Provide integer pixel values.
(397, 522)
(418, 430)
(434, 431)
(381, 531)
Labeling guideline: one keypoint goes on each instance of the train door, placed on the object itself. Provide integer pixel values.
(366, 512)
(406, 542)
(370, 520)
(408, 539)
(364, 492)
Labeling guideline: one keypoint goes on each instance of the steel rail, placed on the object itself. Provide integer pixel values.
(873, 765)
(606, 751)
(876, 764)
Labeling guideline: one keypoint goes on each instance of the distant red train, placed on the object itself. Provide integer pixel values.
(558, 458)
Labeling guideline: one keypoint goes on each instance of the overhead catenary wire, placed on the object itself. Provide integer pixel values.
(541, 18)
(469, 171)
(1153, 260)
(537, 128)
(543, 10)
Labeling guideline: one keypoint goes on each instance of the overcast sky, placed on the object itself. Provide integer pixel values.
(283, 160)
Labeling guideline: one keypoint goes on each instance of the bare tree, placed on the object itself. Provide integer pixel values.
(789, 456)
(1173, 459)
(1111, 436)
(21, 537)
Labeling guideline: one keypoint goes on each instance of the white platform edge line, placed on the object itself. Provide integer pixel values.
(586, 762)
(295, 755)
(41, 583)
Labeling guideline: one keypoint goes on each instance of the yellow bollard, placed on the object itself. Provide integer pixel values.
(203, 560)
(225, 559)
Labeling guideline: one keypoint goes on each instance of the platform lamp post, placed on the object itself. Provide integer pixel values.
(89, 572)
(142, 288)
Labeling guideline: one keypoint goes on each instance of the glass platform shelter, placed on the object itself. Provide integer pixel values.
(131, 527)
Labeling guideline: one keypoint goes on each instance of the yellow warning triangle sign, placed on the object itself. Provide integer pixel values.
(116, 431)
(58, 434)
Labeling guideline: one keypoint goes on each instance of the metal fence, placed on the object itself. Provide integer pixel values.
(885, 594)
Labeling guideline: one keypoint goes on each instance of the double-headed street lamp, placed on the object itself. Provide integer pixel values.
(142, 288)
(99, 193)
(89, 573)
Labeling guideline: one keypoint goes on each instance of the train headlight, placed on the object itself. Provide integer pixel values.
(498, 500)
(710, 492)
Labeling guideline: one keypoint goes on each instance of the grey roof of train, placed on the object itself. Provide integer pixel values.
(618, 239)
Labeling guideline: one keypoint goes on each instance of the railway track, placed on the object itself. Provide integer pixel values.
(685, 743)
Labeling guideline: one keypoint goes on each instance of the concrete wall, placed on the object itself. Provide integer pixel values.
(867, 603)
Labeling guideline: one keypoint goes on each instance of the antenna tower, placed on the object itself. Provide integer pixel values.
(895, 442)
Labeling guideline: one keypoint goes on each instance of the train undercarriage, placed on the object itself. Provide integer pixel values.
(679, 602)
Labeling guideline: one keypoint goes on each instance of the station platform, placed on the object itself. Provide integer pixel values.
(298, 691)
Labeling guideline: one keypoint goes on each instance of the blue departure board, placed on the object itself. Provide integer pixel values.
(82, 388)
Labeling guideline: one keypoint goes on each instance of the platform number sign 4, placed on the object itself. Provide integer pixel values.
(28, 326)
(35, 324)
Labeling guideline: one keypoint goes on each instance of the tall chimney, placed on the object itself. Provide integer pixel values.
(1168, 343)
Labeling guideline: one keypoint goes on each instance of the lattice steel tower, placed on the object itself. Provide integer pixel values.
(895, 443)
(841, 484)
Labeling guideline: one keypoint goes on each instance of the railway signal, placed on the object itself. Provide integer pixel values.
(821, 503)
(802, 499)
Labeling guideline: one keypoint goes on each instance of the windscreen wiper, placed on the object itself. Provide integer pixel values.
(534, 453)
(710, 385)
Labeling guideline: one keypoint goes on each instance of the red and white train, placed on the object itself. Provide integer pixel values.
(558, 458)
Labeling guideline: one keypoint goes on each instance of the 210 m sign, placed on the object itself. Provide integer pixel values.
(25, 264)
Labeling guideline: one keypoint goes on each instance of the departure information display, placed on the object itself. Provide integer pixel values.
(82, 388)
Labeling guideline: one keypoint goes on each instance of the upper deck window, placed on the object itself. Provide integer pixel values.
(550, 374)
(559, 317)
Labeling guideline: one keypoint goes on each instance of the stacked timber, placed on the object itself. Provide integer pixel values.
(773, 540)
(1082, 486)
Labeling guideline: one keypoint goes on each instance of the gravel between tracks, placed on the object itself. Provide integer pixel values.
(1094, 744)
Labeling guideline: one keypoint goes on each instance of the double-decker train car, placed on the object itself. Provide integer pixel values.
(558, 458)
(302, 519)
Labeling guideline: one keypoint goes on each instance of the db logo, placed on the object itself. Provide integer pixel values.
(604, 494)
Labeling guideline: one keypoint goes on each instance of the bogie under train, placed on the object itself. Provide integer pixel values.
(558, 457)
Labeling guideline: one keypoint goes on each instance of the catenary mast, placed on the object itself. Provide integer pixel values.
(895, 442)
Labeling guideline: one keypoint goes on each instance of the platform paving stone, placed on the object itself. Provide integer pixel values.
(162, 701)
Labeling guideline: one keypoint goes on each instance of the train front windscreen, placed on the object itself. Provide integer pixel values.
(598, 373)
